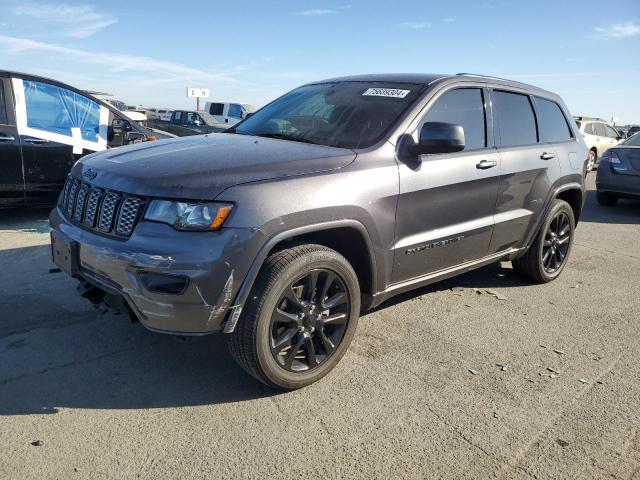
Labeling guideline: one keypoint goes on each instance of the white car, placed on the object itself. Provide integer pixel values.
(599, 136)
(229, 113)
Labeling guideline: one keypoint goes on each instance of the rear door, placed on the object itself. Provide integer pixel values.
(11, 179)
(554, 129)
(528, 168)
(446, 202)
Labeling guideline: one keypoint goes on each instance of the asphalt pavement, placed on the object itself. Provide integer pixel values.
(480, 376)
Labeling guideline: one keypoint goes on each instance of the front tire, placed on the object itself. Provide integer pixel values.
(548, 254)
(300, 318)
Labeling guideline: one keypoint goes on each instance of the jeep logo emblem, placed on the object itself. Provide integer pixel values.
(90, 174)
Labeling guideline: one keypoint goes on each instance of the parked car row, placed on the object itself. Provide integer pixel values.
(183, 123)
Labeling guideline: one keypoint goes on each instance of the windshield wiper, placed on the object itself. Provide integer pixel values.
(239, 132)
(284, 136)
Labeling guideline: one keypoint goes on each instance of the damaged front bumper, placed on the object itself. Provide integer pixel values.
(210, 266)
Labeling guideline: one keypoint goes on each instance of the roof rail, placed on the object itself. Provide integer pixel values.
(490, 77)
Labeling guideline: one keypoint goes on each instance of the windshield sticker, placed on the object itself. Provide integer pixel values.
(386, 92)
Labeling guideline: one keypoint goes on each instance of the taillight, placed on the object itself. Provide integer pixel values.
(617, 164)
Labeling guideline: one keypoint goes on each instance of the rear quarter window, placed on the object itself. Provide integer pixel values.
(552, 123)
(588, 129)
(515, 119)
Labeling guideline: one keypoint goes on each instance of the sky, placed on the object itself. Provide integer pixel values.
(149, 52)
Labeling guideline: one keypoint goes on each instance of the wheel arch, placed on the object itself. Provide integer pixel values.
(348, 237)
(574, 197)
(572, 193)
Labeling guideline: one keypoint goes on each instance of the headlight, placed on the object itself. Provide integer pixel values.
(189, 216)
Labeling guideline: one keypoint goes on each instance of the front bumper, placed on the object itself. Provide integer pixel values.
(215, 263)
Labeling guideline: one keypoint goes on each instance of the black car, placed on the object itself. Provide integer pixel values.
(45, 127)
(619, 172)
(184, 123)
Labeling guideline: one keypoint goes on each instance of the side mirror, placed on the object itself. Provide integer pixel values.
(439, 137)
(248, 115)
(120, 125)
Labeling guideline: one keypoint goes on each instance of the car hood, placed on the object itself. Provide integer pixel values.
(201, 167)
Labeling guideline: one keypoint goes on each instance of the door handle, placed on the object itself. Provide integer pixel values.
(7, 139)
(547, 156)
(35, 141)
(484, 164)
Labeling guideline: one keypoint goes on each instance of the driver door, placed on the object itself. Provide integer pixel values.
(447, 201)
(57, 126)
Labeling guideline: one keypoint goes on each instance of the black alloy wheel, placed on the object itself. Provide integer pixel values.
(556, 243)
(309, 320)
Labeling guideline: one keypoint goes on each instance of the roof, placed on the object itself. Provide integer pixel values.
(430, 78)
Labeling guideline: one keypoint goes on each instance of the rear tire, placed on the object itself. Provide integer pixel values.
(547, 256)
(606, 199)
(591, 163)
(314, 336)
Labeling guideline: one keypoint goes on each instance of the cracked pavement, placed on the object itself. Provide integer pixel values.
(108, 399)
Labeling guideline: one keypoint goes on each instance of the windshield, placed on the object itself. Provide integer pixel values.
(344, 114)
(632, 141)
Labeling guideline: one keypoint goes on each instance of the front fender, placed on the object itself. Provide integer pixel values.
(250, 278)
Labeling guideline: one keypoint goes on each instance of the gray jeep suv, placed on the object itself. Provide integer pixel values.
(321, 205)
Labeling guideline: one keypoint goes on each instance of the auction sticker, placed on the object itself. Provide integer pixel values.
(386, 92)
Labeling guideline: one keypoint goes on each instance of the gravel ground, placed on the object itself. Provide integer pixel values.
(449, 381)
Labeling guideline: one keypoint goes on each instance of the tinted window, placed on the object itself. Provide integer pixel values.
(589, 129)
(57, 110)
(193, 118)
(3, 108)
(610, 132)
(176, 117)
(465, 107)
(599, 129)
(338, 114)
(216, 109)
(515, 118)
(632, 141)
(551, 122)
(235, 111)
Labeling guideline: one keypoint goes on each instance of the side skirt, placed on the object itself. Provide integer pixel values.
(434, 277)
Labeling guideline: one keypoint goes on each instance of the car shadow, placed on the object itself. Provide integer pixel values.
(57, 351)
(496, 275)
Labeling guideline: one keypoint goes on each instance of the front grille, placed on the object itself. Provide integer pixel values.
(108, 212)
(128, 216)
(92, 207)
(80, 199)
